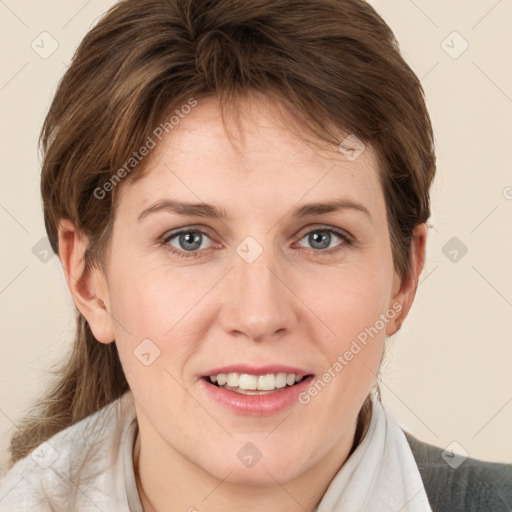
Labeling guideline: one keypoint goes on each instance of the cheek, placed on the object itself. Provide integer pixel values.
(354, 310)
(158, 313)
(149, 299)
(350, 301)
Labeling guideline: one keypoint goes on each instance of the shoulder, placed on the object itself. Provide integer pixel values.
(74, 467)
(461, 484)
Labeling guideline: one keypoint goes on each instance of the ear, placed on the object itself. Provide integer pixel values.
(404, 290)
(88, 289)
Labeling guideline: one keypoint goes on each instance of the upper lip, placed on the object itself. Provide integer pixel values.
(257, 370)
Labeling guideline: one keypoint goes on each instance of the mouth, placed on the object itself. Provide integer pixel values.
(257, 392)
(250, 384)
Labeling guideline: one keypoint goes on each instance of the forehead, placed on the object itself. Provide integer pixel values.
(264, 164)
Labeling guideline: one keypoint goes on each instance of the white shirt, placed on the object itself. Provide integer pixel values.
(379, 476)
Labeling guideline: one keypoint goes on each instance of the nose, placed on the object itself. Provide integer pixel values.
(260, 304)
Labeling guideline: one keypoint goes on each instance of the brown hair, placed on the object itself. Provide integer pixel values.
(335, 64)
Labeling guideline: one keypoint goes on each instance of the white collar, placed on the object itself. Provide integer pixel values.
(381, 474)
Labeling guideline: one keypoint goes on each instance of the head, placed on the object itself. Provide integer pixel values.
(251, 108)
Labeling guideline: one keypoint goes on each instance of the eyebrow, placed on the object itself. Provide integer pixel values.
(211, 211)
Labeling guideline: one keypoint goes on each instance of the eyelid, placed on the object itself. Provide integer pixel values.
(326, 227)
(185, 229)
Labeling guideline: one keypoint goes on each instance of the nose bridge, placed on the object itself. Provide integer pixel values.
(259, 303)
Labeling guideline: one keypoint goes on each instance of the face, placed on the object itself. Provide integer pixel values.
(269, 288)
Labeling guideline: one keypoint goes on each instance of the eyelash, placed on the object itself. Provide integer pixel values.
(347, 239)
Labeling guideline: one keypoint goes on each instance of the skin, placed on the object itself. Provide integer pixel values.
(294, 305)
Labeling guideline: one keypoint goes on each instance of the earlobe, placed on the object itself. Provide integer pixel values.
(408, 286)
(88, 288)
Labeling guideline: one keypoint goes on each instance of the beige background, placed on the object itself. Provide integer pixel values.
(448, 374)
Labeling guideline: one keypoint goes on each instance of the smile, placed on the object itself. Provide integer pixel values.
(254, 384)
(256, 395)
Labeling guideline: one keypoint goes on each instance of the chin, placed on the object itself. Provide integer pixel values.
(262, 470)
(259, 477)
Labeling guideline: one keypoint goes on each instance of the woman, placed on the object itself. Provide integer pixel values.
(238, 193)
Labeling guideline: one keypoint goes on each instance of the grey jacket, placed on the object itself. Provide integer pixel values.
(474, 486)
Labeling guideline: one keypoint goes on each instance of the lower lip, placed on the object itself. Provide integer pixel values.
(258, 405)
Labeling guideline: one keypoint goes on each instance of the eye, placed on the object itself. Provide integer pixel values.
(188, 242)
(320, 239)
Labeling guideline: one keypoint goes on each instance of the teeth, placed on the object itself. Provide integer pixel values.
(245, 381)
(280, 380)
(266, 382)
(232, 380)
